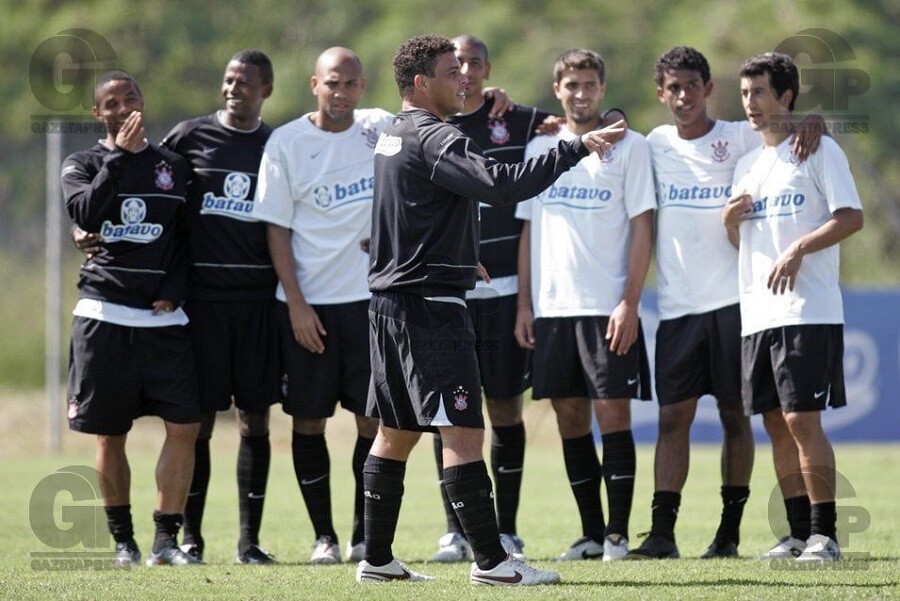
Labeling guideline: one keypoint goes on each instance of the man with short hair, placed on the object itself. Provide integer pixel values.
(698, 339)
(583, 258)
(315, 192)
(130, 353)
(423, 259)
(504, 365)
(230, 302)
(787, 220)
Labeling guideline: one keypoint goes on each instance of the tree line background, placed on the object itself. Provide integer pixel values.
(178, 50)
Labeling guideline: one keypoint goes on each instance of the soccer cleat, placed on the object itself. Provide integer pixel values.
(453, 547)
(512, 572)
(367, 573)
(255, 555)
(820, 548)
(513, 545)
(655, 547)
(325, 552)
(193, 550)
(584, 548)
(172, 556)
(720, 549)
(357, 552)
(127, 554)
(615, 547)
(787, 548)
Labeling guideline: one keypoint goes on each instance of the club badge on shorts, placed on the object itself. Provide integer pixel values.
(460, 399)
(73, 408)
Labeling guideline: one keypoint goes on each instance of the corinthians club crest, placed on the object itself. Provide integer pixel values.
(720, 151)
(460, 399)
(499, 131)
(165, 181)
(369, 132)
(608, 156)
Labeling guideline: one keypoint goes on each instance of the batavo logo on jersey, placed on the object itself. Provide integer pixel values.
(567, 194)
(233, 204)
(132, 228)
(332, 196)
(388, 145)
(776, 206)
(669, 193)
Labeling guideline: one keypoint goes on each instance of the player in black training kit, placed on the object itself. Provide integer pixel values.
(230, 294)
(130, 353)
(503, 364)
(428, 176)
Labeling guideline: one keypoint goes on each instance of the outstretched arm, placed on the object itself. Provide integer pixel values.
(460, 166)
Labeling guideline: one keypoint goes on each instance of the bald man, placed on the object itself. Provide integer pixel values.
(315, 193)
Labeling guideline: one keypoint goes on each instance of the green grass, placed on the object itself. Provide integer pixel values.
(548, 522)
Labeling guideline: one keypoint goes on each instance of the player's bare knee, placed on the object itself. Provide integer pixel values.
(613, 415)
(734, 423)
(309, 427)
(111, 444)
(804, 425)
(182, 433)
(394, 444)
(773, 421)
(366, 427)
(675, 418)
(573, 416)
(505, 412)
(463, 444)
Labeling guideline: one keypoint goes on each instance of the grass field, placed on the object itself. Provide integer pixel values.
(548, 522)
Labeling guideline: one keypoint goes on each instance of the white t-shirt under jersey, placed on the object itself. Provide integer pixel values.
(580, 227)
(791, 200)
(319, 184)
(697, 265)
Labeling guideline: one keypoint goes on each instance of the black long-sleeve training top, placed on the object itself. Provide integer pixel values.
(136, 202)
(429, 178)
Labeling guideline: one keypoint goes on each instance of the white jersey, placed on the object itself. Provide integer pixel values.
(580, 227)
(320, 184)
(791, 200)
(697, 265)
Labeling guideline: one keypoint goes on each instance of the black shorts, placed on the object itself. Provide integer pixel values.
(424, 367)
(699, 354)
(236, 345)
(119, 373)
(314, 384)
(797, 368)
(505, 366)
(572, 359)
